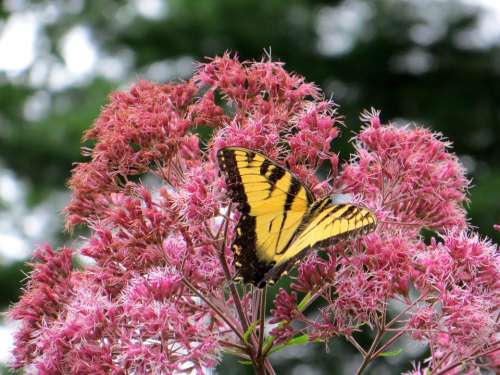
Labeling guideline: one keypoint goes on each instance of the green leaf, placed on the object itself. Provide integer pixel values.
(359, 325)
(392, 353)
(249, 331)
(299, 340)
(304, 301)
(247, 363)
(268, 340)
(235, 352)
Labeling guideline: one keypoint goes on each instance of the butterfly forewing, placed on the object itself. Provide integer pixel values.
(272, 203)
(279, 219)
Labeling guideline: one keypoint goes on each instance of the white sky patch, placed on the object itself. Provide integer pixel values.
(37, 106)
(116, 67)
(39, 72)
(340, 27)
(78, 51)
(432, 24)
(152, 9)
(35, 222)
(12, 191)
(22, 228)
(14, 5)
(17, 42)
(59, 78)
(416, 61)
(169, 69)
(6, 340)
(80, 56)
(41, 223)
(486, 33)
(13, 247)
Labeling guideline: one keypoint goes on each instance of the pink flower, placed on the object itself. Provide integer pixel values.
(493, 360)
(284, 312)
(159, 294)
(463, 273)
(47, 292)
(313, 272)
(148, 124)
(285, 306)
(202, 192)
(408, 176)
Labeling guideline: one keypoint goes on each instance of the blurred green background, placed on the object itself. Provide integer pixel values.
(432, 62)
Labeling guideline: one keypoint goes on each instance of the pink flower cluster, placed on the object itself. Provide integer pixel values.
(407, 175)
(462, 272)
(156, 294)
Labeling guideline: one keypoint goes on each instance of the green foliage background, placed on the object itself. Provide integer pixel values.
(419, 61)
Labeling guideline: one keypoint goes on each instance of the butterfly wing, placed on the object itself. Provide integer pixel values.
(273, 204)
(324, 225)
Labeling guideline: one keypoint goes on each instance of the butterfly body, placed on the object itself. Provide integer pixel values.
(280, 221)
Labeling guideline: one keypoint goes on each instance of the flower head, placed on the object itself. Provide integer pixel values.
(407, 175)
(159, 294)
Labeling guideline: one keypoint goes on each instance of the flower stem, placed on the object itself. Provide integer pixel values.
(388, 343)
(477, 353)
(227, 273)
(262, 318)
(256, 361)
(368, 357)
(214, 308)
(373, 347)
(406, 309)
(269, 367)
(235, 349)
(353, 341)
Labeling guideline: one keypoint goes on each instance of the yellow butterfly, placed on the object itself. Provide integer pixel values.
(280, 220)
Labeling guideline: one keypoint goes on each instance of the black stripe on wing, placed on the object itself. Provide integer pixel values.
(248, 266)
(274, 273)
(294, 188)
(228, 165)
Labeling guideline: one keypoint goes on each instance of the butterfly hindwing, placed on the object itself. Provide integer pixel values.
(324, 225)
(327, 225)
(272, 203)
(280, 221)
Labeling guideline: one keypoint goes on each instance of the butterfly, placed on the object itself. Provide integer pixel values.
(280, 221)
